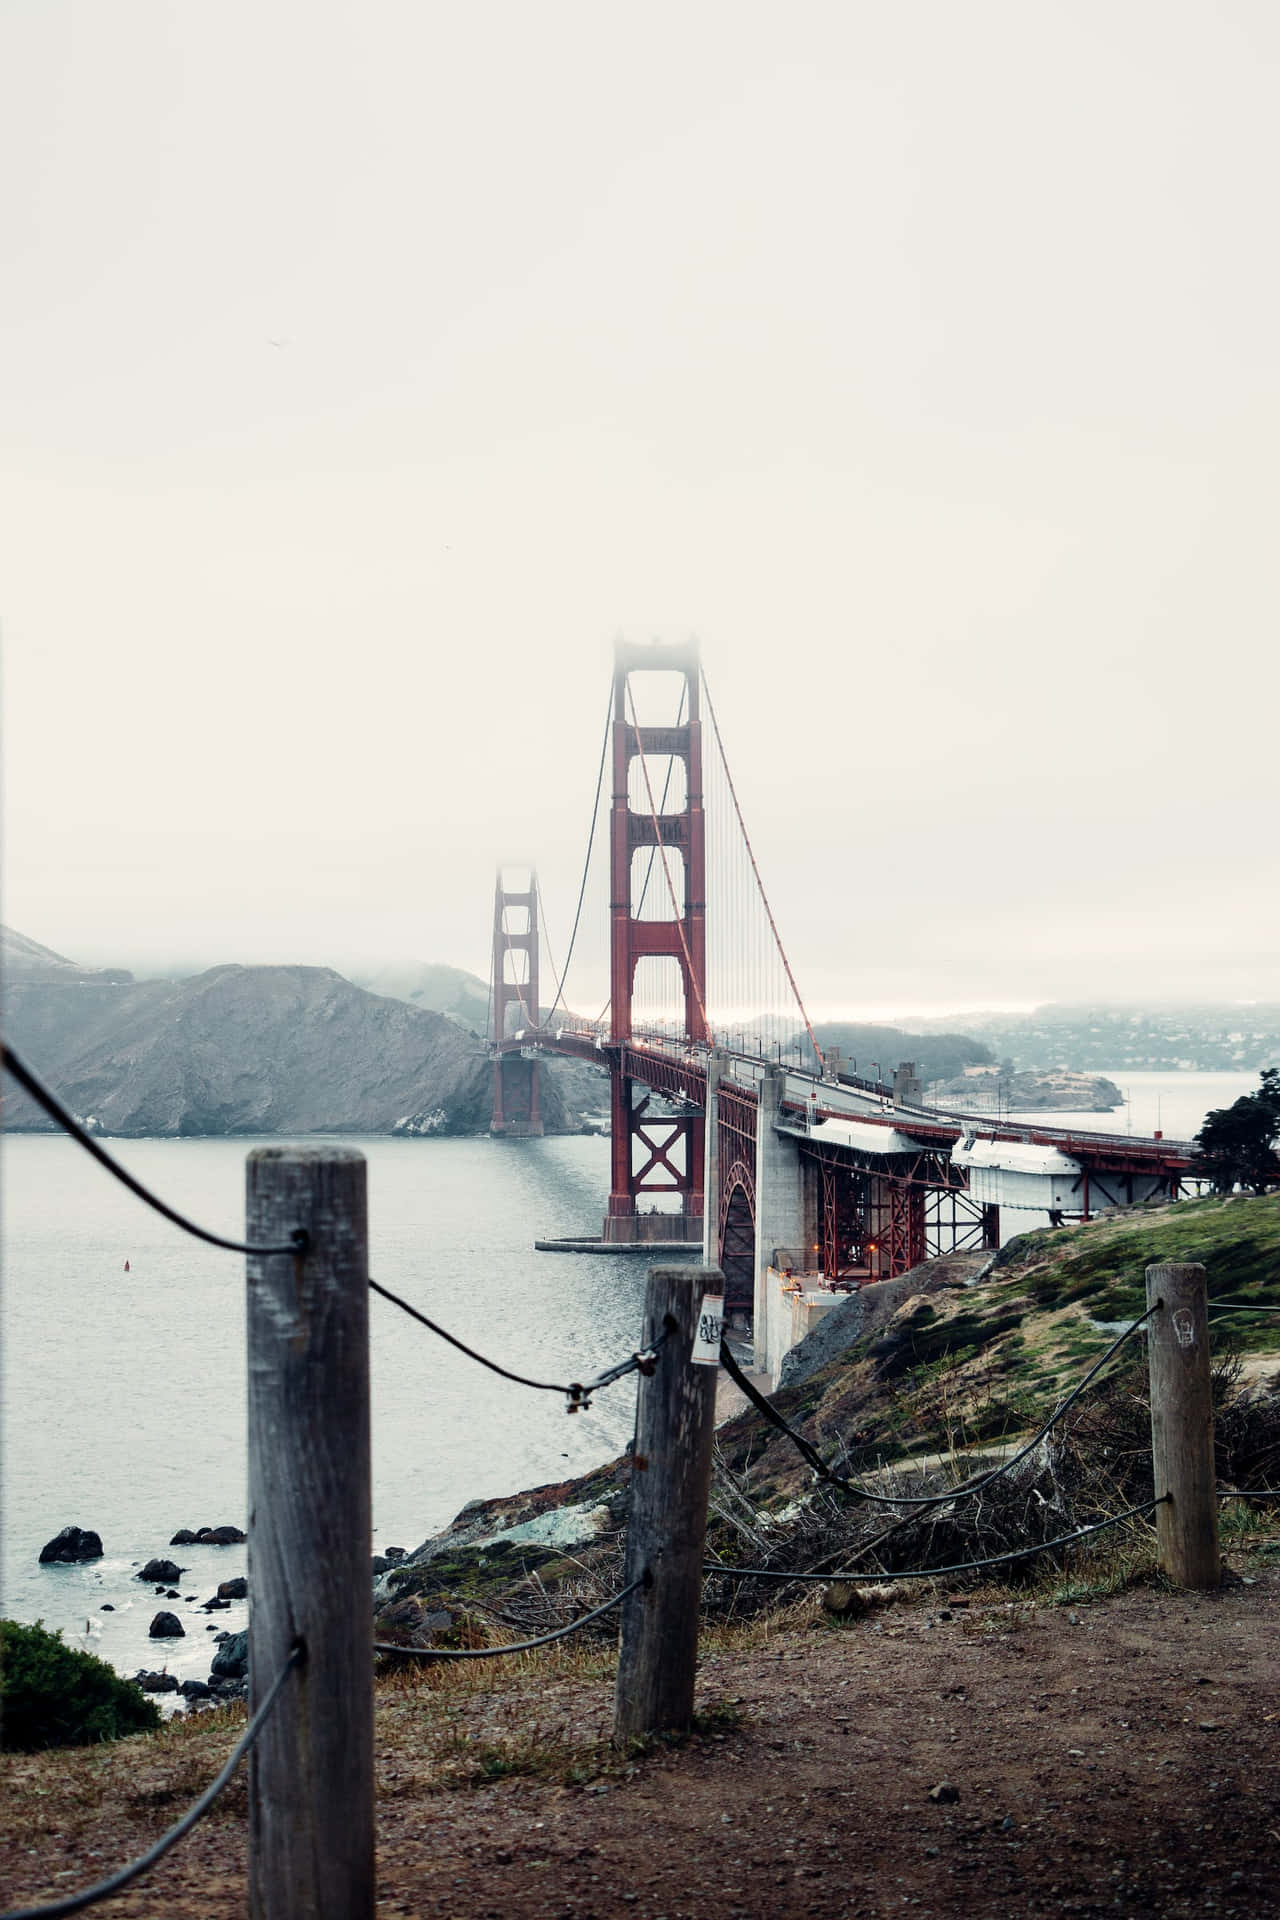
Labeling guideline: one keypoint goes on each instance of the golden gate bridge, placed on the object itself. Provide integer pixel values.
(731, 1129)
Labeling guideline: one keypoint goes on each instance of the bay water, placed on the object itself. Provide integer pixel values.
(124, 1391)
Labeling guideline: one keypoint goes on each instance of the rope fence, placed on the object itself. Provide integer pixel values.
(63, 1118)
(578, 1392)
(312, 1823)
(968, 1488)
(859, 1578)
(518, 1646)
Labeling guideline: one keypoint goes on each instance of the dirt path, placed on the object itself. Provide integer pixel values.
(1118, 1757)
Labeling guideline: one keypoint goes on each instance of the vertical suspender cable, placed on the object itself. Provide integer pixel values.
(759, 882)
(586, 865)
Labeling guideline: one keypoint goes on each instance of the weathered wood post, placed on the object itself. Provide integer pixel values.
(670, 1481)
(1182, 1425)
(311, 1836)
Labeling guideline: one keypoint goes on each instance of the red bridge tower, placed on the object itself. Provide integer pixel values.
(657, 862)
(516, 1091)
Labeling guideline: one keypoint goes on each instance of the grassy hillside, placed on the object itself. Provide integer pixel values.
(917, 1405)
(978, 1363)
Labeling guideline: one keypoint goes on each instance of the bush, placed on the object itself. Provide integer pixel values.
(52, 1695)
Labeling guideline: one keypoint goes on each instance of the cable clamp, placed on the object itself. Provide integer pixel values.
(578, 1397)
(646, 1362)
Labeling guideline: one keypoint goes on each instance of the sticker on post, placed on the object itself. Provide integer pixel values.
(706, 1340)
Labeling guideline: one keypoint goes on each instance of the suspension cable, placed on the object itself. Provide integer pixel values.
(968, 1488)
(578, 1393)
(517, 1646)
(586, 865)
(117, 1882)
(773, 926)
(64, 1118)
(666, 872)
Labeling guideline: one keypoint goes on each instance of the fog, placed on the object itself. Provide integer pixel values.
(364, 371)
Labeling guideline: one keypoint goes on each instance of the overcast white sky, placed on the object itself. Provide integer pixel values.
(364, 369)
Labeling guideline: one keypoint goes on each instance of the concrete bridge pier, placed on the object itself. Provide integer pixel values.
(711, 1162)
(784, 1211)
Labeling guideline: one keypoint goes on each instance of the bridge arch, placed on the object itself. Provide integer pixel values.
(738, 1243)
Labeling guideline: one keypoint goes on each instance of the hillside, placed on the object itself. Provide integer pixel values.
(248, 1050)
(958, 1363)
(1209, 1038)
(878, 1049)
(958, 1355)
(435, 988)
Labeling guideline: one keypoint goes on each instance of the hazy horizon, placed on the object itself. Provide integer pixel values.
(891, 1013)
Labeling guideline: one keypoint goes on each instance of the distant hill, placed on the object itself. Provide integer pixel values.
(24, 959)
(291, 1050)
(1208, 1037)
(937, 1056)
(462, 996)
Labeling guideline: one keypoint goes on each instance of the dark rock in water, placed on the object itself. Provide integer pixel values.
(163, 1571)
(106, 1607)
(156, 1682)
(216, 1606)
(161, 1590)
(71, 1545)
(167, 1626)
(189, 1597)
(195, 1690)
(229, 1689)
(183, 1538)
(394, 1553)
(237, 1589)
(219, 1536)
(231, 1661)
(171, 1593)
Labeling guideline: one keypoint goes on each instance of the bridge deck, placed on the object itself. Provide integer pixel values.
(678, 1069)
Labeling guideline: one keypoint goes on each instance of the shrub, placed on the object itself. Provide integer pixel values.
(52, 1695)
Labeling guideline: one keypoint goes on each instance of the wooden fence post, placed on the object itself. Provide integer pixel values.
(311, 1834)
(1182, 1425)
(667, 1523)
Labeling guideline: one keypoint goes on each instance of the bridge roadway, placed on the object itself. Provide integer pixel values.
(780, 1171)
(679, 1071)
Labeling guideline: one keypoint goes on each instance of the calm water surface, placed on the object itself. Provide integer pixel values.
(124, 1393)
(1175, 1103)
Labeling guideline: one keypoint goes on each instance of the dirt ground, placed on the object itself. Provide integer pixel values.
(1115, 1756)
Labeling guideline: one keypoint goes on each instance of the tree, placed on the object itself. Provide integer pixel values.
(1237, 1144)
(53, 1695)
